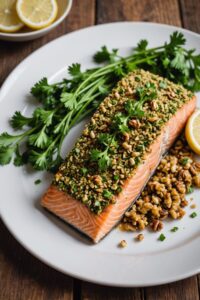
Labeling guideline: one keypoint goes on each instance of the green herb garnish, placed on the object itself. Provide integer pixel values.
(38, 181)
(193, 215)
(116, 177)
(63, 104)
(101, 158)
(174, 229)
(143, 94)
(120, 123)
(107, 194)
(84, 171)
(107, 140)
(184, 161)
(162, 84)
(162, 237)
(190, 190)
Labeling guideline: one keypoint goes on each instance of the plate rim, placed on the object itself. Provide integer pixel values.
(27, 247)
(87, 28)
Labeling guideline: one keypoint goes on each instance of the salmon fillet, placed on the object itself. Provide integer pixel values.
(96, 226)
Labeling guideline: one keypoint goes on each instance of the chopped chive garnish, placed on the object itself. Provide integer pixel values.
(174, 229)
(38, 181)
(193, 215)
(116, 177)
(84, 171)
(184, 161)
(163, 84)
(161, 237)
(190, 190)
(107, 194)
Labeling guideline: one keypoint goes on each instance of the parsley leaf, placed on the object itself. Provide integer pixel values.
(135, 108)
(63, 104)
(6, 154)
(39, 140)
(177, 39)
(107, 139)
(120, 123)
(7, 139)
(101, 157)
(19, 159)
(45, 93)
(42, 88)
(75, 70)
(69, 100)
(107, 194)
(44, 116)
(18, 121)
(142, 45)
(105, 56)
(39, 160)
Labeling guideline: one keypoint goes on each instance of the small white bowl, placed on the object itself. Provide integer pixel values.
(26, 34)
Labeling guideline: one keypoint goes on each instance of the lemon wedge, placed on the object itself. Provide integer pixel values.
(192, 131)
(9, 20)
(37, 14)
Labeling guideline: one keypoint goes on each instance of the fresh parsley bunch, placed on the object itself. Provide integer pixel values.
(64, 104)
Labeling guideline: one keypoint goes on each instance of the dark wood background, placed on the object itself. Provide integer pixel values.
(23, 277)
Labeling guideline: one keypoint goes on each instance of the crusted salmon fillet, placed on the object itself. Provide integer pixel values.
(70, 205)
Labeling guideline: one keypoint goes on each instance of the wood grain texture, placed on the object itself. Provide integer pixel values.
(198, 280)
(23, 277)
(81, 15)
(97, 292)
(190, 13)
(136, 10)
(185, 290)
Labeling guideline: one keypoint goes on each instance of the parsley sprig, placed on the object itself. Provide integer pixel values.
(133, 108)
(63, 104)
(101, 157)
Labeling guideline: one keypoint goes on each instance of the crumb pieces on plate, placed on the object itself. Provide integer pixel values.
(165, 194)
(193, 206)
(140, 237)
(161, 237)
(122, 244)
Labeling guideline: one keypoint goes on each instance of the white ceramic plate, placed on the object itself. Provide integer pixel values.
(140, 264)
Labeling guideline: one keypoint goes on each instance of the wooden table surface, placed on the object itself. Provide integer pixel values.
(23, 277)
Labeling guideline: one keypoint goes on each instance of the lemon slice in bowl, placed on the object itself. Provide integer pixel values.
(192, 131)
(37, 14)
(9, 20)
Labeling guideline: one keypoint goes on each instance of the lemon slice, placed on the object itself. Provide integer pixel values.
(37, 14)
(9, 20)
(192, 131)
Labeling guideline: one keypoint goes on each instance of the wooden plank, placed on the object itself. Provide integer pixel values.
(24, 277)
(185, 290)
(190, 11)
(97, 292)
(137, 10)
(81, 15)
